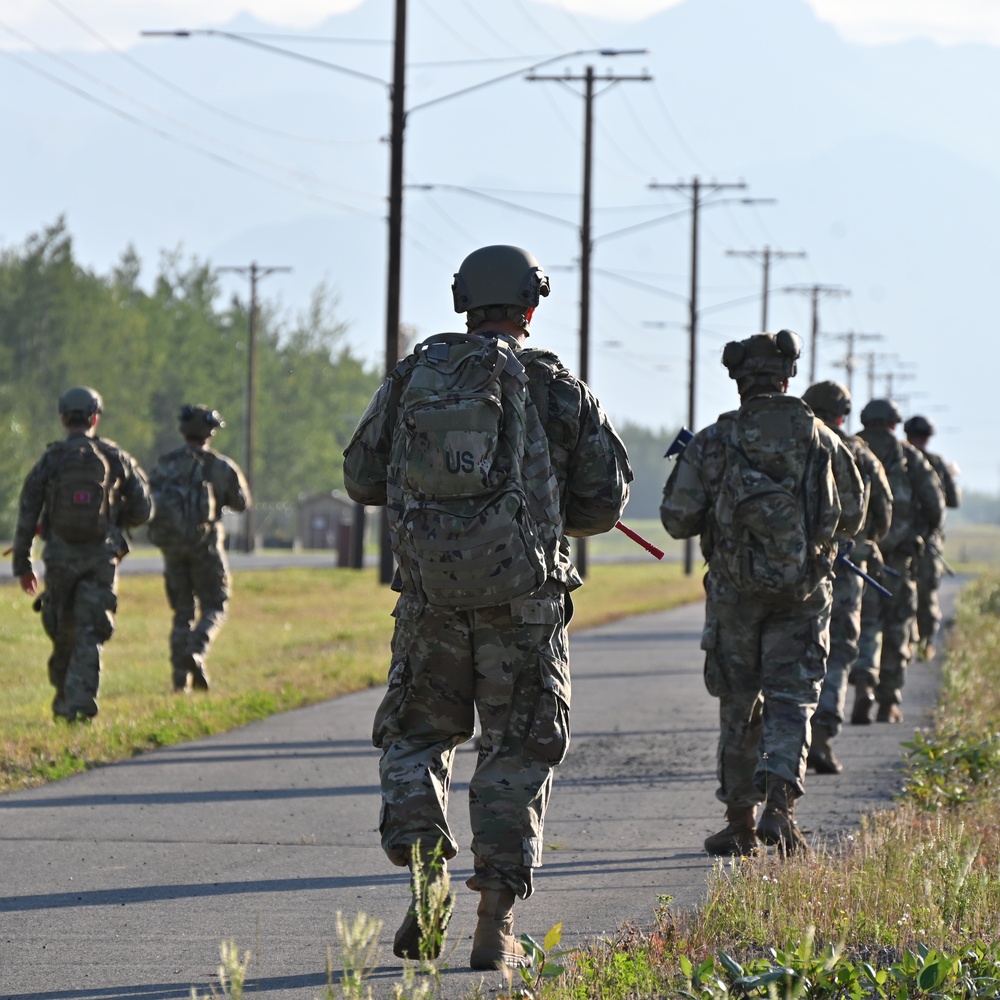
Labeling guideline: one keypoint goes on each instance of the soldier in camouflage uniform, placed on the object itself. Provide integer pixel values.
(887, 623)
(80, 598)
(764, 658)
(831, 402)
(509, 663)
(195, 567)
(930, 561)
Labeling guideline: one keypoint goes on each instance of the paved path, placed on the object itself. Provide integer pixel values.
(119, 884)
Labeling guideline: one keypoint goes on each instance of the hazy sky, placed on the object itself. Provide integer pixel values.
(865, 21)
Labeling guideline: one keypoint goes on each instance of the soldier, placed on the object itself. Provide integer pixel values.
(887, 623)
(86, 494)
(930, 561)
(191, 485)
(744, 484)
(831, 402)
(479, 507)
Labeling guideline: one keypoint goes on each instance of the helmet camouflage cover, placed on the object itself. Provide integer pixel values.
(828, 399)
(199, 421)
(81, 399)
(768, 354)
(880, 411)
(918, 426)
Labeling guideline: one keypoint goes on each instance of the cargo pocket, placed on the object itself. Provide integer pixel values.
(386, 724)
(714, 678)
(547, 738)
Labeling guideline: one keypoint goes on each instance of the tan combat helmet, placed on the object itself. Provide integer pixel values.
(828, 400)
(880, 412)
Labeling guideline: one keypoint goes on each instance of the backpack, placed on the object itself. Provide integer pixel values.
(82, 491)
(472, 496)
(184, 499)
(778, 507)
(902, 528)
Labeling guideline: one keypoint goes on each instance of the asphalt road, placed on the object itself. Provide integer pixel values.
(119, 884)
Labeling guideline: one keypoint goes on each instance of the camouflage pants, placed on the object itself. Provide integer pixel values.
(765, 663)
(887, 623)
(927, 569)
(197, 583)
(78, 614)
(845, 631)
(511, 665)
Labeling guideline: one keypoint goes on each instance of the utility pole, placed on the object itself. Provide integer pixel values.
(696, 190)
(814, 292)
(765, 257)
(588, 79)
(851, 359)
(255, 272)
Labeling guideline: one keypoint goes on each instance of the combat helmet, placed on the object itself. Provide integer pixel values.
(919, 427)
(80, 401)
(880, 411)
(828, 400)
(764, 357)
(499, 282)
(198, 421)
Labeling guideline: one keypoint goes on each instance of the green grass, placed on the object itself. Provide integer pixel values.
(294, 637)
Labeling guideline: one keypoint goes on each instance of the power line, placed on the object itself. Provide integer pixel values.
(764, 257)
(814, 292)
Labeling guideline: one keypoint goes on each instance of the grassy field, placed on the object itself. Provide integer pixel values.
(294, 637)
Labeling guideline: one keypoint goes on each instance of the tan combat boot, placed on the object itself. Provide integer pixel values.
(430, 897)
(494, 944)
(777, 826)
(889, 713)
(739, 836)
(822, 759)
(864, 702)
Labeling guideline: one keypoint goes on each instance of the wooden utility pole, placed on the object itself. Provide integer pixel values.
(765, 256)
(814, 292)
(851, 359)
(696, 190)
(588, 79)
(255, 272)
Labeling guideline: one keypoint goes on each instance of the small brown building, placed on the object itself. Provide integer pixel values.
(320, 518)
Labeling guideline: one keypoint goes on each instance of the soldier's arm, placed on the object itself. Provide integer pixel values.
(952, 494)
(880, 500)
(29, 513)
(927, 488)
(598, 472)
(235, 493)
(686, 499)
(850, 486)
(366, 458)
(137, 503)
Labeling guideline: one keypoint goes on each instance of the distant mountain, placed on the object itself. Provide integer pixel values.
(884, 161)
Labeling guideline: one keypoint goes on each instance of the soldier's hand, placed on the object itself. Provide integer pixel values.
(29, 583)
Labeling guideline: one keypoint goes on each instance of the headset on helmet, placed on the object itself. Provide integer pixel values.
(81, 399)
(498, 282)
(918, 426)
(828, 400)
(199, 421)
(880, 411)
(763, 354)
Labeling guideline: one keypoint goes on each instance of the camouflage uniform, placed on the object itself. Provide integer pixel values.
(928, 563)
(80, 598)
(848, 588)
(197, 575)
(764, 659)
(885, 646)
(508, 663)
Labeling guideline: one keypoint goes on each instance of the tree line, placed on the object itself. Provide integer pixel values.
(149, 352)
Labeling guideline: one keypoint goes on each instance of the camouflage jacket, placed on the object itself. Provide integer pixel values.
(923, 514)
(229, 485)
(132, 508)
(688, 506)
(878, 493)
(952, 495)
(588, 456)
